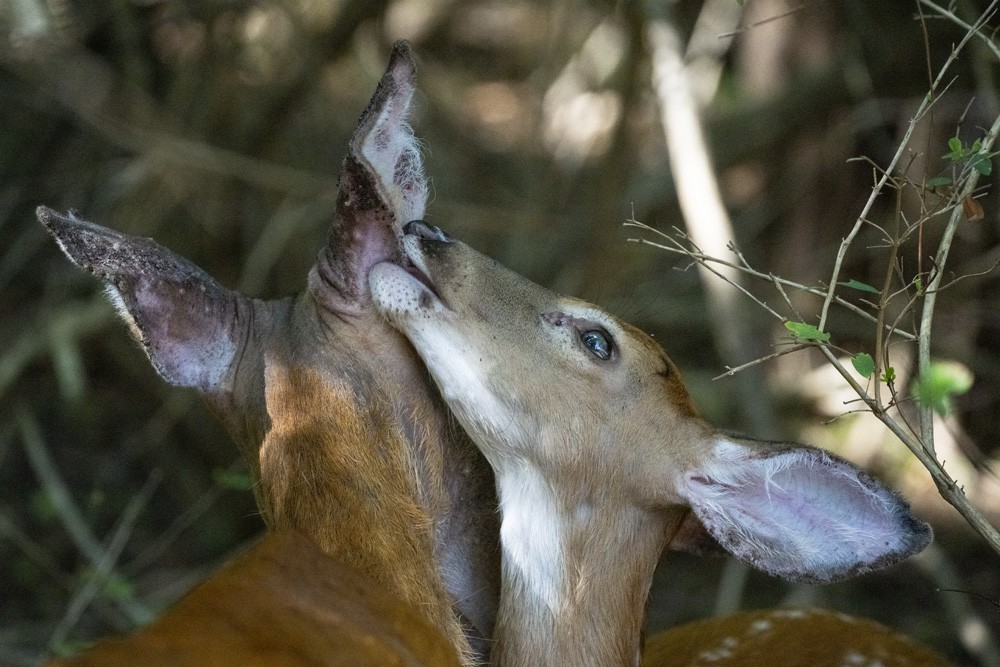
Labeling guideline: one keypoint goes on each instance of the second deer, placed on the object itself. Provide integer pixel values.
(601, 458)
(345, 438)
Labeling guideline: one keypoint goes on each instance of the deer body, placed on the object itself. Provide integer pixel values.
(601, 459)
(284, 602)
(344, 435)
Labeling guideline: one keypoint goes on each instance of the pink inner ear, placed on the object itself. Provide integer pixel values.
(185, 333)
(801, 513)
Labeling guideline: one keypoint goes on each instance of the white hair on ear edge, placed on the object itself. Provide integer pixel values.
(800, 512)
(393, 152)
(118, 301)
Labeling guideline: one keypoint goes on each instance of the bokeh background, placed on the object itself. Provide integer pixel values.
(218, 128)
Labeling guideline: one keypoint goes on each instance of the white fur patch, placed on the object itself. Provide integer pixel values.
(116, 299)
(532, 533)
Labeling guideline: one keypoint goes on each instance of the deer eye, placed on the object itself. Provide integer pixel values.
(598, 342)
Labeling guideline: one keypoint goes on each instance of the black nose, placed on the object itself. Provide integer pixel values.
(423, 230)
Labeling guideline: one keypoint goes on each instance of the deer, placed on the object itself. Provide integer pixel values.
(601, 460)
(345, 437)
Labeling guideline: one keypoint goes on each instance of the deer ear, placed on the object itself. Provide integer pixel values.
(692, 537)
(384, 141)
(382, 187)
(188, 324)
(799, 512)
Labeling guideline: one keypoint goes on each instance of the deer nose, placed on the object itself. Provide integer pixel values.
(423, 230)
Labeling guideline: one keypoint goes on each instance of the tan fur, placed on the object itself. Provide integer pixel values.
(599, 454)
(284, 602)
(310, 465)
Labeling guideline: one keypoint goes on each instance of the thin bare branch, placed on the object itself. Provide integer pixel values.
(742, 367)
(58, 493)
(697, 256)
(904, 143)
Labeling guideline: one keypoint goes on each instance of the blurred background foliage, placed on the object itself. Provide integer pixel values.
(218, 127)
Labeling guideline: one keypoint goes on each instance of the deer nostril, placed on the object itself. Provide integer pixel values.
(423, 230)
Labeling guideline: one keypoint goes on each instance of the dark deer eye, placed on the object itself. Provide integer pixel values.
(598, 342)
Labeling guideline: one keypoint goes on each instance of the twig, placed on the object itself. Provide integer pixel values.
(102, 573)
(925, 105)
(774, 355)
(940, 259)
(678, 248)
(962, 24)
(57, 491)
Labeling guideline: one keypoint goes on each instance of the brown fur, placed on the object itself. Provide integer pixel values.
(786, 637)
(371, 522)
(284, 602)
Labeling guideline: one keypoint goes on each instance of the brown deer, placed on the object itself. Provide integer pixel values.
(346, 439)
(600, 458)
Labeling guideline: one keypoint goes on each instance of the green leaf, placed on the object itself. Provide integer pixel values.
(118, 588)
(807, 332)
(858, 285)
(940, 382)
(983, 165)
(863, 364)
(233, 480)
(938, 181)
(955, 145)
(976, 146)
(889, 375)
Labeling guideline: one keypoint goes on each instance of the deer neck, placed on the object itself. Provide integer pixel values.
(577, 570)
(346, 447)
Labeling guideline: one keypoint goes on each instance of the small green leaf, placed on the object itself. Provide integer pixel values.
(955, 145)
(858, 285)
(118, 588)
(982, 164)
(942, 380)
(807, 332)
(233, 480)
(863, 364)
(976, 146)
(938, 181)
(889, 375)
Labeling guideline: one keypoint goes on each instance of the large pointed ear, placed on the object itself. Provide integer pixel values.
(382, 187)
(799, 512)
(384, 141)
(188, 324)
